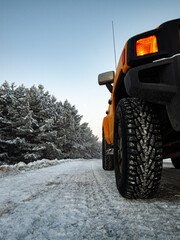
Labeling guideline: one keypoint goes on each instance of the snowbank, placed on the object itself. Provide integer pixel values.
(22, 167)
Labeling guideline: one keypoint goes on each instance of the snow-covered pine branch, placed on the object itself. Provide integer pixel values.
(34, 125)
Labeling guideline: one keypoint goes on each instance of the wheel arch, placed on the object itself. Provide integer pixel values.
(120, 90)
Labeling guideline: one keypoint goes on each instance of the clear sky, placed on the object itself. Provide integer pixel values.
(65, 44)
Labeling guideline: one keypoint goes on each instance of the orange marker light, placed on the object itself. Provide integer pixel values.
(146, 46)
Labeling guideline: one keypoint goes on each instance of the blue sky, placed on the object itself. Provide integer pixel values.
(65, 44)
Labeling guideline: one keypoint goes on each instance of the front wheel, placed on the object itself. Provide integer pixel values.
(137, 149)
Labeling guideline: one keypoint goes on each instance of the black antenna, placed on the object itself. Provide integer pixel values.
(114, 45)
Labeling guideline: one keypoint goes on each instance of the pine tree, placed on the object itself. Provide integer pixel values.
(33, 125)
(6, 99)
(42, 106)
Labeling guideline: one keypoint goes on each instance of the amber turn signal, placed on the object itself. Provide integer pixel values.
(146, 46)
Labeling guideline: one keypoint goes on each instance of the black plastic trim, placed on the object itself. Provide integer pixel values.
(158, 82)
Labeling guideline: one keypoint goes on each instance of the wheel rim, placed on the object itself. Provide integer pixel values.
(120, 148)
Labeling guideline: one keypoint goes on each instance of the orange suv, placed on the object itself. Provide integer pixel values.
(142, 126)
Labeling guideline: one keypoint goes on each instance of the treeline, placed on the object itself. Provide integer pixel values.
(34, 125)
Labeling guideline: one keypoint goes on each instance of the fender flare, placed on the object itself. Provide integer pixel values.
(106, 129)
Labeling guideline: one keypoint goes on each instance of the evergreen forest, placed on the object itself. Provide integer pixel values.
(35, 126)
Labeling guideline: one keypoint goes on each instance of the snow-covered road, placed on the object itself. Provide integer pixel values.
(78, 200)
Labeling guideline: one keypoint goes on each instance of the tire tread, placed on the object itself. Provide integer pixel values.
(144, 148)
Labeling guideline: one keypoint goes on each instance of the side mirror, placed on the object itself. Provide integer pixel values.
(105, 78)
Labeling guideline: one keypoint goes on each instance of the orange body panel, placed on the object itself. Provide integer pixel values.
(108, 123)
(106, 129)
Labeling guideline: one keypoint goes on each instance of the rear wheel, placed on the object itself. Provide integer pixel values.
(137, 149)
(176, 162)
(107, 157)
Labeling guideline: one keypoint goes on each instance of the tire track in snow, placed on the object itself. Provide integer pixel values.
(79, 200)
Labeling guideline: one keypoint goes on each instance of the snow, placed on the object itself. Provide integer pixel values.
(14, 141)
(77, 199)
(33, 125)
(22, 167)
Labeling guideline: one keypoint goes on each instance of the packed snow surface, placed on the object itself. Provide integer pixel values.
(22, 167)
(77, 199)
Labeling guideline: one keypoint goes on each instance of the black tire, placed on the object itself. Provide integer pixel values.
(107, 160)
(137, 149)
(176, 162)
